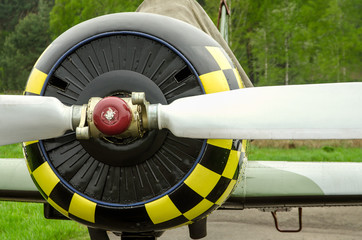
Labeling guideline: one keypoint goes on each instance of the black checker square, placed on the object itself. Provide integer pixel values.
(231, 78)
(236, 145)
(237, 171)
(209, 65)
(32, 152)
(219, 189)
(113, 217)
(185, 198)
(214, 64)
(38, 187)
(75, 218)
(172, 223)
(215, 158)
(61, 195)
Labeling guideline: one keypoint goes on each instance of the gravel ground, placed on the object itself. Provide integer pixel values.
(318, 223)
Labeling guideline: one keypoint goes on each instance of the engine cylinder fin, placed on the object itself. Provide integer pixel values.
(72, 68)
(70, 167)
(53, 144)
(90, 175)
(74, 149)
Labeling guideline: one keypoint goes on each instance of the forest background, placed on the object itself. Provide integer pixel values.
(277, 42)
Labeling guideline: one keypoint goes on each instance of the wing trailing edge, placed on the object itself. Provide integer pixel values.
(269, 184)
(16, 183)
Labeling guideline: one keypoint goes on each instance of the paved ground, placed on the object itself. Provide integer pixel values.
(318, 223)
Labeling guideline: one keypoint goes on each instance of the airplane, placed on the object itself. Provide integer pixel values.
(131, 123)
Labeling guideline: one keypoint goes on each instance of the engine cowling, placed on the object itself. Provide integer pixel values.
(133, 184)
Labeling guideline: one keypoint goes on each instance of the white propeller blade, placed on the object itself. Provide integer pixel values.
(324, 111)
(26, 118)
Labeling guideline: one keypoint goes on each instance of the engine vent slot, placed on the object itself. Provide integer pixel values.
(58, 83)
(183, 74)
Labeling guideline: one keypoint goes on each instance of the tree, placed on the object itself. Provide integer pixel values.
(298, 41)
(12, 10)
(277, 42)
(24, 45)
(246, 18)
(67, 13)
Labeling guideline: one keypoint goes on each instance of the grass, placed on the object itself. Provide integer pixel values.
(26, 221)
(11, 92)
(324, 154)
(11, 151)
(309, 144)
(310, 150)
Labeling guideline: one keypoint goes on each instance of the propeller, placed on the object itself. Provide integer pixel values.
(27, 118)
(322, 111)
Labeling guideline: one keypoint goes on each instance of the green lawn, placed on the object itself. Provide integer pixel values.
(11, 151)
(298, 153)
(324, 154)
(25, 221)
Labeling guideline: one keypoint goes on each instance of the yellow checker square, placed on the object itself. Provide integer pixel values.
(244, 145)
(29, 143)
(24, 153)
(219, 57)
(199, 209)
(214, 82)
(57, 207)
(202, 180)
(45, 178)
(223, 143)
(238, 78)
(232, 164)
(36, 81)
(82, 208)
(162, 210)
(227, 192)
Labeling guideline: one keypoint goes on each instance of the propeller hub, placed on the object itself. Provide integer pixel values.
(112, 116)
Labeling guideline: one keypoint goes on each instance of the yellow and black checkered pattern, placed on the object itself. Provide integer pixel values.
(223, 75)
(205, 189)
(67, 202)
(215, 176)
(53, 190)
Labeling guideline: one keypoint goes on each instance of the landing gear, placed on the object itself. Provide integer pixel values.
(141, 236)
(97, 234)
(100, 234)
(198, 229)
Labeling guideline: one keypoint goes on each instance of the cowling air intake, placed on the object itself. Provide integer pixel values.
(130, 183)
